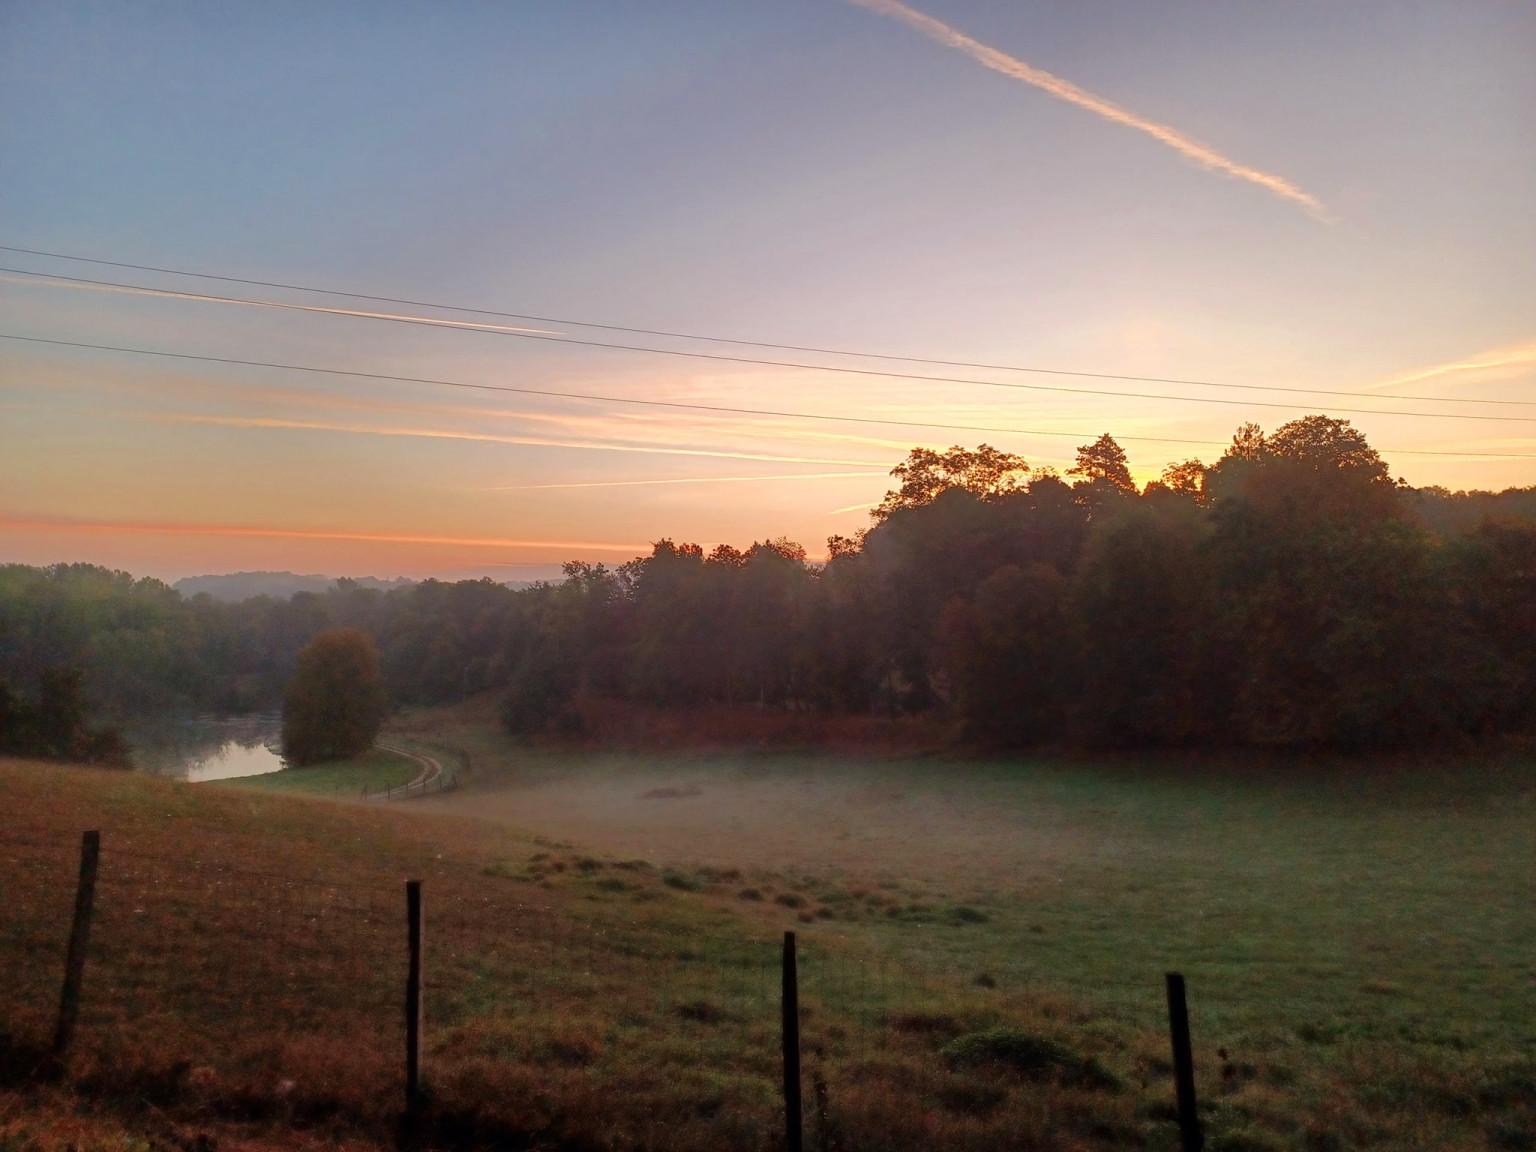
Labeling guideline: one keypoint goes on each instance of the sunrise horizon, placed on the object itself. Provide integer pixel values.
(858, 228)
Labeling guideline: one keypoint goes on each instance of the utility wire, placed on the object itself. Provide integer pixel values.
(749, 343)
(146, 290)
(716, 408)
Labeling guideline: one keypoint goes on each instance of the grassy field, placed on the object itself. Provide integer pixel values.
(375, 770)
(984, 945)
(1329, 916)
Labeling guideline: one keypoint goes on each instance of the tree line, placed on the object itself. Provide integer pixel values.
(1290, 594)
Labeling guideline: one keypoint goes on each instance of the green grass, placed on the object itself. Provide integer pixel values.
(375, 769)
(1346, 900)
(983, 945)
(1356, 936)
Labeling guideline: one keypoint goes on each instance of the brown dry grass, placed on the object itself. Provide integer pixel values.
(247, 960)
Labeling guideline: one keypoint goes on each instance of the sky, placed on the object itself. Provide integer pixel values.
(1254, 197)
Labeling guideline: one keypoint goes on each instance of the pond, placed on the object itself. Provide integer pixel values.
(196, 748)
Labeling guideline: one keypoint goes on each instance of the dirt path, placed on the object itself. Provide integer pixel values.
(431, 772)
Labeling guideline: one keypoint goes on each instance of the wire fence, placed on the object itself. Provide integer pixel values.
(445, 780)
(287, 993)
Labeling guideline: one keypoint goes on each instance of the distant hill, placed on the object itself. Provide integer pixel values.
(235, 586)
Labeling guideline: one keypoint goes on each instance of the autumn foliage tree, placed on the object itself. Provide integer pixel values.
(335, 702)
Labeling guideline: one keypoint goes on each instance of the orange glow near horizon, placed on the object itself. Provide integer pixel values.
(173, 549)
(48, 524)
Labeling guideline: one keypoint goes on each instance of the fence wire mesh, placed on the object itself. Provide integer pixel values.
(249, 980)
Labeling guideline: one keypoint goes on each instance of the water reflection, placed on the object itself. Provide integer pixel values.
(209, 747)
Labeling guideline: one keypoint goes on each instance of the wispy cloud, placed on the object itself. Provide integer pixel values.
(1497, 363)
(484, 438)
(853, 508)
(202, 298)
(175, 528)
(1012, 66)
(683, 480)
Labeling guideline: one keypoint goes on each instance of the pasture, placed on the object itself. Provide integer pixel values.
(1331, 916)
(1376, 896)
(602, 933)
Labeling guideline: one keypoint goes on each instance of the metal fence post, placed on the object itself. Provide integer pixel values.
(1191, 1138)
(413, 1007)
(79, 940)
(793, 1124)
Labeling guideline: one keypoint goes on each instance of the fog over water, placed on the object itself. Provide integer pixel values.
(197, 748)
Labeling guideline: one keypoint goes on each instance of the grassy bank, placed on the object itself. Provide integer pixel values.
(373, 771)
(249, 953)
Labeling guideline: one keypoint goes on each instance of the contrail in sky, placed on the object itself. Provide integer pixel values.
(482, 438)
(171, 294)
(682, 480)
(1519, 357)
(1012, 66)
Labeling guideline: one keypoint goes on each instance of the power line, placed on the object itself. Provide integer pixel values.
(173, 293)
(672, 335)
(715, 408)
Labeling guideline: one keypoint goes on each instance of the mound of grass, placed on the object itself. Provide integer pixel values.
(1027, 1055)
(683, 882)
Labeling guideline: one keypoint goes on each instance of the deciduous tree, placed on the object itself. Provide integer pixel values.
(335, 702)
(985, 472)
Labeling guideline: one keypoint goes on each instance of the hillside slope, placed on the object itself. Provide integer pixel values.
(248, 955)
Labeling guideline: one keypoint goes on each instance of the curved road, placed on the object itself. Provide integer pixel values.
(431, 772)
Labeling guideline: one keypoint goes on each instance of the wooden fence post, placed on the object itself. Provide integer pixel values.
(1191, 1138)
(793, 1129)
(79, 939)
(413, 912)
